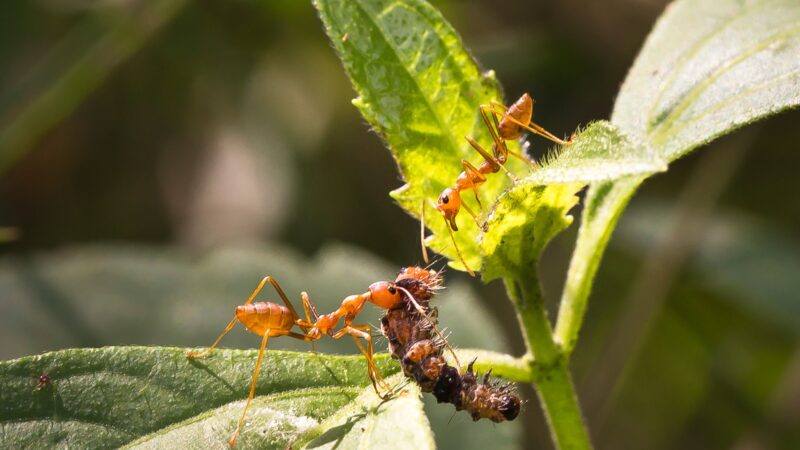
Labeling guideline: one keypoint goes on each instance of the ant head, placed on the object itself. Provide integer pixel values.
(385, 294)
(449, 204)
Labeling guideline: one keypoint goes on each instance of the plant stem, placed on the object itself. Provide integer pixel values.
(549, 366)
(604, 205)
(502, 365)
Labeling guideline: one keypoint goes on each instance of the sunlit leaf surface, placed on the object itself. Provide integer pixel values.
(420, 89)
(115, 395)
(369, 422)
(707, 68)
(526, 218)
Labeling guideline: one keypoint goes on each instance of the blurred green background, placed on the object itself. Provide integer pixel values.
(158, 157)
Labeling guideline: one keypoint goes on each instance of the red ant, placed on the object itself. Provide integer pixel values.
(513, 122)
(270, 319)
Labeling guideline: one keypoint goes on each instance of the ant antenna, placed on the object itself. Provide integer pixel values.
(431, 323)
(458, 251)
(435, 261)
(422, 232)
(474, 217)
(450, 420)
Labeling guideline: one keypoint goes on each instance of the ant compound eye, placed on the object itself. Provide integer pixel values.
(384, 294)
(449, 200)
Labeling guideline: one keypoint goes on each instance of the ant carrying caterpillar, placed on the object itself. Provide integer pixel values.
(269, 319)
(414, 340)
(513, 123)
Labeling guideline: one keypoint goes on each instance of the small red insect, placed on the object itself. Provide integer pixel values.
(43, 381)
(268, 319)
(514, 121)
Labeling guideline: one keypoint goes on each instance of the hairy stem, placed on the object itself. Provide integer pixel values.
(604, 205)
(549, 366)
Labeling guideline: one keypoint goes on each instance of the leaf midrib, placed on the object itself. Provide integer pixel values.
(428, 101)
(660, 133)
(688, 55)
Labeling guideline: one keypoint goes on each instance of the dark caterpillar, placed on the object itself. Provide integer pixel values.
(414, 342)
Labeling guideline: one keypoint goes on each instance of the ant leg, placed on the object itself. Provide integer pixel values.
(283, 297)
(484, 153)
(474, 216)
(500, 148)
(267, 334)
(261, 286)
(538, 129)
(532, 127)
(500, 144)
(422, 232)
(489, 157)
(252, 297)
(475, 178)
(365, 329)
(496, 103)
(458, 252)
(232, 441)
(529, 162)
(307, 305)
(362, 331)
(369, 353)
(478, 199)
(194, 355)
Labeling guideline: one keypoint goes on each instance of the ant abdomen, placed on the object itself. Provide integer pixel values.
(522, 112)
(259, 317)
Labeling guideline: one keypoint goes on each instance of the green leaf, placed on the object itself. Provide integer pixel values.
(273, 420)
(420, 90)
(601, 152)
(534, 210)
(526, 218)
(707, 68)
(369, 422)
(112, 396)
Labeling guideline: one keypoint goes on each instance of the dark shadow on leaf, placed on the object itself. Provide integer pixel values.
(200, 365)
(337, 433)
(326, 365)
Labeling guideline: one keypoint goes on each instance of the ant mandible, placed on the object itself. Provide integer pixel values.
(514, 121)
(270, 319)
